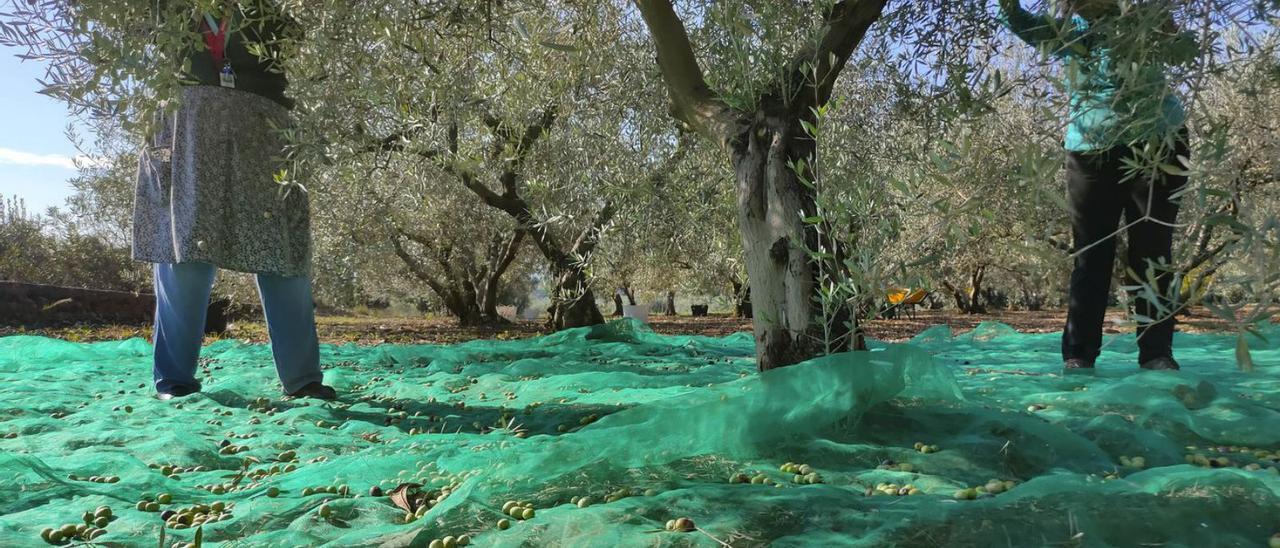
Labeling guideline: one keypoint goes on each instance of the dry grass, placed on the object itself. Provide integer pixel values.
(372, 330)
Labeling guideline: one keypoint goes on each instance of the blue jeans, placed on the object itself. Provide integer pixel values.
(182, 300)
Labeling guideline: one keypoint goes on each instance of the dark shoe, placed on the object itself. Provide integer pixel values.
(1077, 366)
(1161, 364)
(176, 392)
(316, 390)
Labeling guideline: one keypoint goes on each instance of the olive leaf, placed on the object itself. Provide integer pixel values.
(1244, 360)
(406, 497)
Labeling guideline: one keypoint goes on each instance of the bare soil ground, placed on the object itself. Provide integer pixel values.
(372, 330)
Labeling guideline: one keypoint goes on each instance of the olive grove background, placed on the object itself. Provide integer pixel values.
(801, 159)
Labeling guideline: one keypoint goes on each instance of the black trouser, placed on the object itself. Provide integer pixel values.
(1100, 190)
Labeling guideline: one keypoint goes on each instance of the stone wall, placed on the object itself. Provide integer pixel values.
(34, 305)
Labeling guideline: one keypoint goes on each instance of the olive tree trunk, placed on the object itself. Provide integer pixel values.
(763, 146)
(741, 299)
(617, 305)
(468, 291)
(572, 302)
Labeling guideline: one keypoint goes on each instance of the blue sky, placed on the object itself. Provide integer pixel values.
(35, 154)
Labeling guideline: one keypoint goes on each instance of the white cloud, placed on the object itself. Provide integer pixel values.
(17, 157)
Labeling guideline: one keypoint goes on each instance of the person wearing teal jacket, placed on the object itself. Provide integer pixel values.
(1120, 103)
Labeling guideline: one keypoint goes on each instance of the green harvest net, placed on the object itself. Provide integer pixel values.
(679, 418)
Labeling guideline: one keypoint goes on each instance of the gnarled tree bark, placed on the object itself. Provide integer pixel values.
(469, 291)
(763, 145)
(572, 301)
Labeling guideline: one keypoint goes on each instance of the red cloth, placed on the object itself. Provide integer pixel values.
(217, 42)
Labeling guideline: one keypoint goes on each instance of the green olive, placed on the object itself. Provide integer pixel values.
(994, 487)
(650, 492)
(218, 507)
(449, 542)
(504, 524)
(101, 521)
(325, 511)
(141, 506)
(506, 506)
(671, 525)
(87, 517)
(44, 535)
(68, 531)
(164, 498)
(56, 537)
(527, 513)
(584, 502)
(684, 525)
(273, 492)
(464, 540)
(152, 507)
(436, 543)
